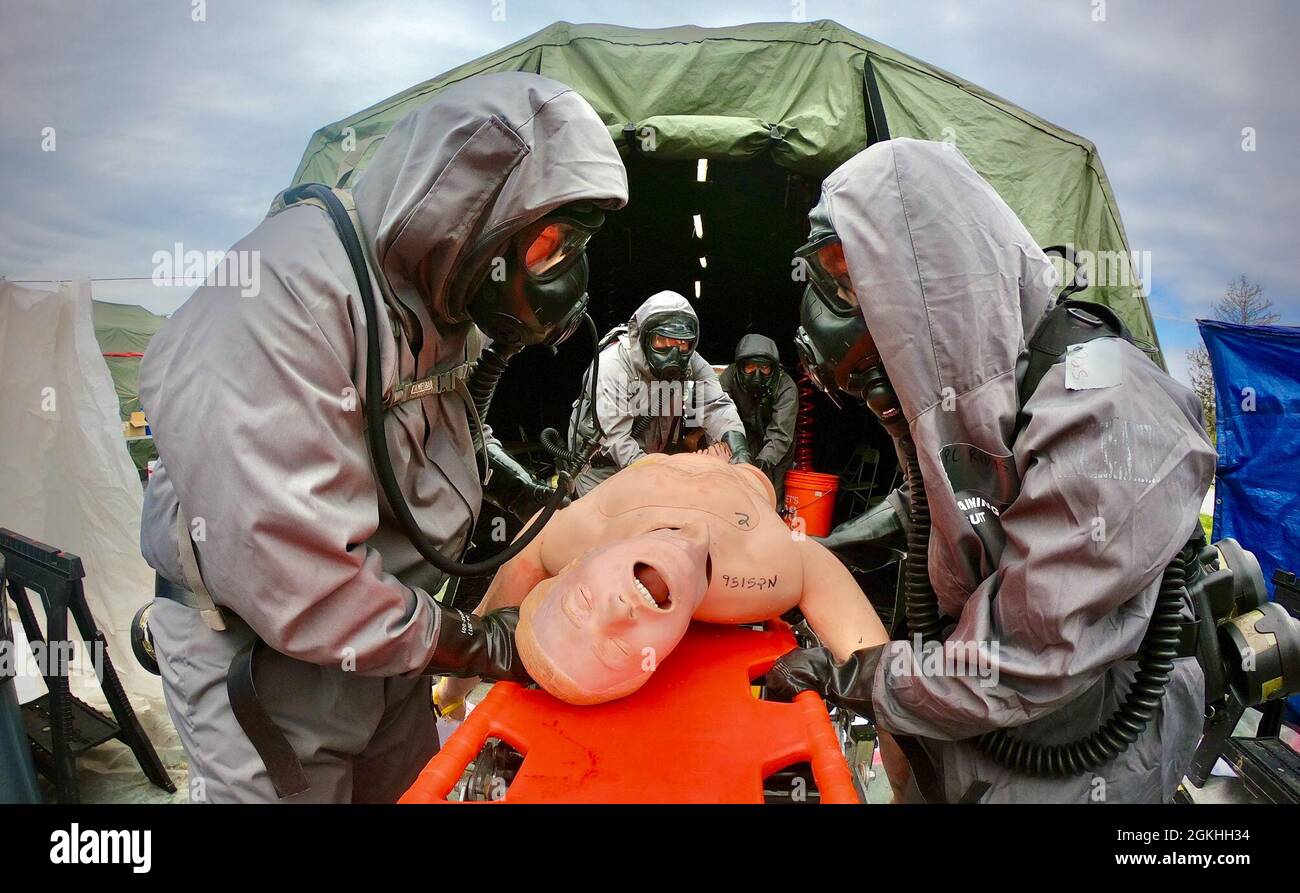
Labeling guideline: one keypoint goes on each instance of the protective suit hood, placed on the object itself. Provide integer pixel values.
(763, 349)
(756, 345)
(479, 162)
(950, 281)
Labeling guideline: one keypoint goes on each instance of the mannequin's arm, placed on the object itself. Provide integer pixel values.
(839, 613)
(516, 578)
(834, 606)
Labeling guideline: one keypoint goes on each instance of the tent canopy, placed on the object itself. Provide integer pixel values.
(806, 95)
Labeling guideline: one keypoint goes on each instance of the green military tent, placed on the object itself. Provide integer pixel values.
(123, 332)
(803, 96)
(773, 108)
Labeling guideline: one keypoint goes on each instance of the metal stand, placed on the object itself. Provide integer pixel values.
(60, 726)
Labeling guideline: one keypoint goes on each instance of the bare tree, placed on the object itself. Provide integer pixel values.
(1202, 377)
(1243, 302)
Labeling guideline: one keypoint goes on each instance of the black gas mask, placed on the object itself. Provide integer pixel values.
(833, 341)
(840, 355)
(757, 374)
(534, 291)
(668, 340)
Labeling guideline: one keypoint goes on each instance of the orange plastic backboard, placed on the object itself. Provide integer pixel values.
(694, 733)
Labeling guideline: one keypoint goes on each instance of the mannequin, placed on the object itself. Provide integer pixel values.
(611, 584)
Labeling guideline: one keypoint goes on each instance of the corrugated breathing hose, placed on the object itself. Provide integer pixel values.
(919, 602)
(1155, 665)
(569, 463)
(488, 370)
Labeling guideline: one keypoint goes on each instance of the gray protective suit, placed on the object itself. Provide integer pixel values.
(1048, 545)
(256, 407)
(638, 414)
(769, 422)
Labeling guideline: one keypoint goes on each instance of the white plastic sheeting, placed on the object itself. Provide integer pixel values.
(66, 479)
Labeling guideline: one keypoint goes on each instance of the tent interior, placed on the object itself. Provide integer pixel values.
(753, 216)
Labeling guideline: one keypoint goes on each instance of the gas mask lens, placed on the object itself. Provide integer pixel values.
(830, 272)
(553, 245)
(750, 367)
(664, 342)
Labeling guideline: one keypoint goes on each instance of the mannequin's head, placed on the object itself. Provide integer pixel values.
(596, 631)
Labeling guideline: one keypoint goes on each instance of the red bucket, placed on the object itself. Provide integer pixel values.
(810, 495)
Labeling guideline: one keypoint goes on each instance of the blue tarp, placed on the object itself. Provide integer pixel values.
(1257, 425)
(1257, 404)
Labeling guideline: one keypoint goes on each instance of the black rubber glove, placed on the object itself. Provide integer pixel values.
(846, 685)
(872, 539)
(739, 447)
(469, 645)
(511, 488)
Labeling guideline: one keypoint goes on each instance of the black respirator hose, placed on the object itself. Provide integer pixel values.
(919, 602)
(488, 370)
(557, 448)
(571, 462)
(1155, 666)
(377, 437)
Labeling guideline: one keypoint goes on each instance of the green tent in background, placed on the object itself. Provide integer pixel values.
(809, 95)
(123, 332)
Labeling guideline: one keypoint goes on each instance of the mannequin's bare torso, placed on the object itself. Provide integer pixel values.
(756, 567)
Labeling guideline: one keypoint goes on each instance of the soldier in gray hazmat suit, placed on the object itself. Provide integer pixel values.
(1049, 533)
(647, 396)
(767, 400)
(256, 407)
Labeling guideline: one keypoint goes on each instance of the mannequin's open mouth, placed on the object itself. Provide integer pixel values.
(651, 586)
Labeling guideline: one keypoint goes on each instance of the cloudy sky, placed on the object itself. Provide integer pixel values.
(167, 129)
